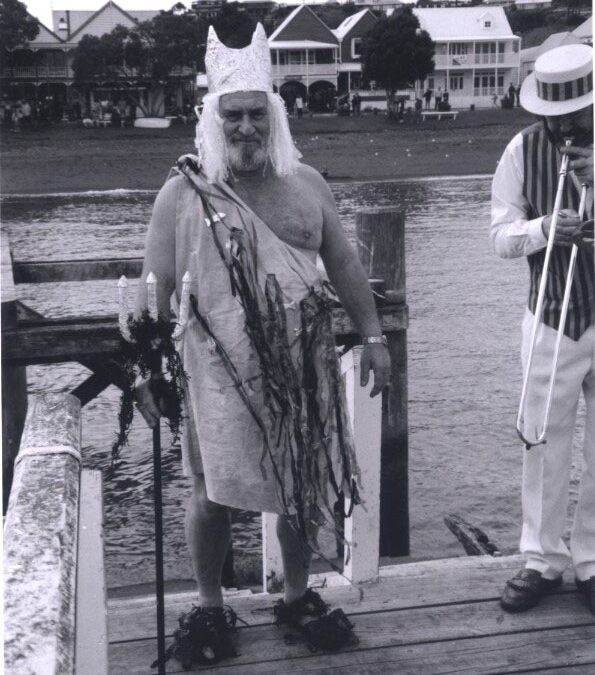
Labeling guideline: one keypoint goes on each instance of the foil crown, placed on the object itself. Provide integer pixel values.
(247, 69)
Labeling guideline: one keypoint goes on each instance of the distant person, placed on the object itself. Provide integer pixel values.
(518, 96)
(26, 119)
(17, 116)
(511, 92)
(299, 106)
(417, 109)
(438, 99)
(428, 98)
(445, 103)
(116, 119)
(356, 104)
(523, 196)
(495, 100)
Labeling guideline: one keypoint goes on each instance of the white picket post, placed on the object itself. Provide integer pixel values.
(362, 529)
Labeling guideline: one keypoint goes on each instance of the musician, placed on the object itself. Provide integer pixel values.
(559, 91)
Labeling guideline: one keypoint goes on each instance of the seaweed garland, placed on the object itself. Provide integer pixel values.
(301, 419)
(150, 350)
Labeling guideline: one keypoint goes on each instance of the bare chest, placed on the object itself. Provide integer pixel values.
(292, 215)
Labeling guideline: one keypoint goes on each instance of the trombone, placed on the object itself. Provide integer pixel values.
(540, 434)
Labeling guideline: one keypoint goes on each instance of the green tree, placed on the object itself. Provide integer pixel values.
(145, 54)
(396, 53)
(17, 28)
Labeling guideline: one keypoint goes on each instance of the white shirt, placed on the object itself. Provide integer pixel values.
(512, 235)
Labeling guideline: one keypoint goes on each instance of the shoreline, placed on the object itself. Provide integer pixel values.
(147, 191)
(71, 159)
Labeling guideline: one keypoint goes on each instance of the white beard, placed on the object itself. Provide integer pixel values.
(246, 158)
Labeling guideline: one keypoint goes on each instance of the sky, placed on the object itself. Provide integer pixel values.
(42, 9)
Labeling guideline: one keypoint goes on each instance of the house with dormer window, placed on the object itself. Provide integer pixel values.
(477, 55)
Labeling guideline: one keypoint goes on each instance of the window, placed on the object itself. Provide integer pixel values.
(487, 24)
(430, 83)
(456, 82)
(458, 48)
(295, 58)
(356, 47)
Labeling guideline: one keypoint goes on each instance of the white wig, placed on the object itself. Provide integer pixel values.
(212, 148)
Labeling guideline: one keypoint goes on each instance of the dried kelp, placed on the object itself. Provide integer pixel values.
(303, 411)
(151, 350)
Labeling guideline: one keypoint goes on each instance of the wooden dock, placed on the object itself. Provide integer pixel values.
(420, 618)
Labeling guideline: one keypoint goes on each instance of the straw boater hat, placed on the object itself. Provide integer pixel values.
(562, 82)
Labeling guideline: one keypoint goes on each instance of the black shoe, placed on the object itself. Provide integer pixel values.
(587, 588)
(525, 590)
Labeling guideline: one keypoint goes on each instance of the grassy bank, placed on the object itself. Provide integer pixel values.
(68, 158)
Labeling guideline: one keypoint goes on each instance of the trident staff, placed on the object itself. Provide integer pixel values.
(531, 218)
(155, 359)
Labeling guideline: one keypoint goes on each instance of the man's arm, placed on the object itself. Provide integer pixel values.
(349, 279)
(513, 235)
(160, 249)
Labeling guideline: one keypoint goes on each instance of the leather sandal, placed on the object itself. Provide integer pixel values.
(326, 631)
(526, 589)
(587, 588)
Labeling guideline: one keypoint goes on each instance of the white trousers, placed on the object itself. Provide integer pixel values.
(546, 468)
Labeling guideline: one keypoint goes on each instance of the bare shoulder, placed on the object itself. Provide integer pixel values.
(316, 183)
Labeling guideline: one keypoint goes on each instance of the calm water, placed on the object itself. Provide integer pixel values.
(464, 372)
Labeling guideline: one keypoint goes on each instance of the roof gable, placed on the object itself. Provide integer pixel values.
(45, 36)
(303, 24)
(348, 24)
(585, 29)
(104, 20)
(448, 23)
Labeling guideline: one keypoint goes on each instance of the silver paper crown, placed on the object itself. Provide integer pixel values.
(247, 69)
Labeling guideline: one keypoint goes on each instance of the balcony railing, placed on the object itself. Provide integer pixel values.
(473, 60)
(303, 70)
(488, 91)
(40, 71)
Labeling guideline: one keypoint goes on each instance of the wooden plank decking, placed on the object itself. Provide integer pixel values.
(420, 618)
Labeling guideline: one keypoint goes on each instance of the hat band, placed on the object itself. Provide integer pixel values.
(565, 91)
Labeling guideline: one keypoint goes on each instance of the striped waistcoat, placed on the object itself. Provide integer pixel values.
(541, 162)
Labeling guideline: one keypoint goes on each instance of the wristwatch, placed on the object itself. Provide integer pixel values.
(375, 340)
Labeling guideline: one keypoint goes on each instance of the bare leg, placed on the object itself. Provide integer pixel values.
(208, 534)
(296, 560)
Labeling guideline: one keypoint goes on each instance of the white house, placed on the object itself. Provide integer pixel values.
(477, 56)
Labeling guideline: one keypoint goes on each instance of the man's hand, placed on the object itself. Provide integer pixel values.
(375, 357)
(147, 402)
(581, 163)
(568, 221)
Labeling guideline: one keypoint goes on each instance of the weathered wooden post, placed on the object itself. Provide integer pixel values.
(40, 535)
(381, 248)
(14, 382)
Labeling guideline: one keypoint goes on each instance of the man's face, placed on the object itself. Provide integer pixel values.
(246, 126)
(577, 125)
